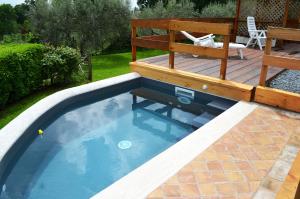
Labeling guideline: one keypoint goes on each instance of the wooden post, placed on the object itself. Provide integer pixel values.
(236, 20)
(133, 46)
(171, 54)
(286, 13)
(264, 69)
(285, 19)
(224, 60)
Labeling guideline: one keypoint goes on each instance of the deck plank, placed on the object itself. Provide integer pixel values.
(243, 71)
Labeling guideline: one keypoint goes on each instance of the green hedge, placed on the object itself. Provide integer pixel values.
(25, 68)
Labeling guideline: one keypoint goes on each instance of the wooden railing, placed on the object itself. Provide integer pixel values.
(170, 43)
(200, 27)
(276, 97)
(279, 61)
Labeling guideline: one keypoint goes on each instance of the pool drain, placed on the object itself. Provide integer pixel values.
(124, 144)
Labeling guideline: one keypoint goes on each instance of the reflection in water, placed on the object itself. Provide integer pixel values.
(79, 154)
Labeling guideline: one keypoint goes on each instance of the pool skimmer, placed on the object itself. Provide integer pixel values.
(124, 144)
(184, 96)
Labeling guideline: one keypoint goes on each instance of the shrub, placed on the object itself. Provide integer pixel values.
(219, 10)
(58, 64)
(24, 68)
(20, 38)
(20, 71)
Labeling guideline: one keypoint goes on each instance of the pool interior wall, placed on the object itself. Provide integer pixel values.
(152, 91)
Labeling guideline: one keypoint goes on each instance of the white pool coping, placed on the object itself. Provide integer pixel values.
(139, 183)
(14, 130)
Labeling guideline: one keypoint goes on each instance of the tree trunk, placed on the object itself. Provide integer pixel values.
(90, 68)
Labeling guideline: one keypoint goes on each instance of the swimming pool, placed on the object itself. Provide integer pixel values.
(91, 140)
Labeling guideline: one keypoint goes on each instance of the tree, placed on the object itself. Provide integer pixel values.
(149, 3)
(8, 19)
(89, 25)
(183, 9)
(173, 9)
(219, 10)
(199, 4)
(21, 11)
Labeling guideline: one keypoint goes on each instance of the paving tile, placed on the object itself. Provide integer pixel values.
(214, 166)
(243, 165)
(218, 176)
(263, 164)
(189, 190)
(226, 188)
(203, 177)
(264, 194)
(208, 189)
(198, 165)
(251, 160)
(171, 190)
(254, 185)
(229, 166)
(243, 187)
(234, 176)
(186, 177)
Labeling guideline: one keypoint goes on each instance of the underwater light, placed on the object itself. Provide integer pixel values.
(124, 144)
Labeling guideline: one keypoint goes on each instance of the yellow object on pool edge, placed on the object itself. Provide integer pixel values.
(40, 132)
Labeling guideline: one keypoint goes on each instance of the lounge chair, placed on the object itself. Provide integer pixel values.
(208, 41)
(256, 36)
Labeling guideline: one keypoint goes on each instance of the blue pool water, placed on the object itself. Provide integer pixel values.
(87, 148)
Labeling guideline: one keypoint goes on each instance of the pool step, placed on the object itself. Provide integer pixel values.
(220, 104)
(202, 119)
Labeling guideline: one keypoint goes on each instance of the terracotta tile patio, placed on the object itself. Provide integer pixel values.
(246, 162)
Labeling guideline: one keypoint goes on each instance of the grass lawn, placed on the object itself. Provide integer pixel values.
(104, 66)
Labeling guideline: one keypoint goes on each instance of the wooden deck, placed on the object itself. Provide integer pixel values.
(243, 71)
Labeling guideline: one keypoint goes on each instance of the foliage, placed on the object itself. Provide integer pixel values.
(8, 19)
(182, 9)
(13, 19)
(198, 4)
(89, 25)
(19, 38)
(24, 68)
(59, 64)
(19, 71)
(219, 10)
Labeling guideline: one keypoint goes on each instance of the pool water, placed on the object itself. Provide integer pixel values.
(87, 148)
